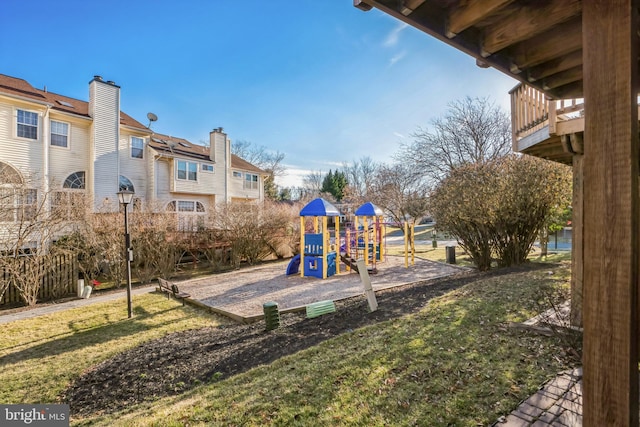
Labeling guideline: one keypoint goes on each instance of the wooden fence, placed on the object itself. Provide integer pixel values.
(61, 282)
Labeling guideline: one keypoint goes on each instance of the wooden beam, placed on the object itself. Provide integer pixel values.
(548, 46)
(528, 21)
(556, 65)
(362, 5)
(474, 11)
(563, 78)
(577, 142)
(408, 6)
(568, 91)
(611, 226)
(569, 127)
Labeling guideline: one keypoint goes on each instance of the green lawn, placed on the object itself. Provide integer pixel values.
(453, 363)
(40, 356)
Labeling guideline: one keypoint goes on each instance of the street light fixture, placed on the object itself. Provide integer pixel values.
(125, 197)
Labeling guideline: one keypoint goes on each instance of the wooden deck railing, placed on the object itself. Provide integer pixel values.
(532, 111)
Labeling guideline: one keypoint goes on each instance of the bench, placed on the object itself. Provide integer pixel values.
(172, 289)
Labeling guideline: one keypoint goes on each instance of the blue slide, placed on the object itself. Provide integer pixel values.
(294, 265)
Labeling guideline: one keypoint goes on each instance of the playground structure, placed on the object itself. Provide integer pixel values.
(323, 248)
(366, 239)
(318, 256)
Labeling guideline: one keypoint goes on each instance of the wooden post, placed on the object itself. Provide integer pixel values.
(413, 244)
(577, 236)
(406, 245)
(366, 282)
(383, 239)
(610, 312)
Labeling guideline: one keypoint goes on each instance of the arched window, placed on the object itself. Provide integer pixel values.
(71, 202)
(125, 184)
(8, 175)
(75, 181)
(17, 203)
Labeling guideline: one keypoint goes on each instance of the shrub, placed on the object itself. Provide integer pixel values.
(498, 208)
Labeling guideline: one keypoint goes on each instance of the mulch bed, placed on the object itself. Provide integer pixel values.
(180, 361)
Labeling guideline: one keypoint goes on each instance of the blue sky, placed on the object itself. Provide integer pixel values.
(320, 81)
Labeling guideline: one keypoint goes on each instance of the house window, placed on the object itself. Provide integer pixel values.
(184, 206)
(187, 170)
(18, 205)
(250, 181)
(59, 134)
(207, 167)
(75, 181)
(137, 147)
(27, 124)
(125, 184)
(237, 174)
(69, 203)
(189, 214)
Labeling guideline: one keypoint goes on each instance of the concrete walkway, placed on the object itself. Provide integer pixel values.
(48, 308)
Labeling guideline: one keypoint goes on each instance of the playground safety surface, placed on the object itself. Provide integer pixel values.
(241, 294)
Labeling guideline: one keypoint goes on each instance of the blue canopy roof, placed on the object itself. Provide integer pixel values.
(369, 209)
(319, 207)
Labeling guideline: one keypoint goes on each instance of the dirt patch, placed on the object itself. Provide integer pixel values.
(183, 360)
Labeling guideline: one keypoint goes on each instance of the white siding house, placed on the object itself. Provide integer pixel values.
(66, 146)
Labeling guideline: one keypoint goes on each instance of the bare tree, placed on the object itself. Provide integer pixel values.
(262, 157)
(402, 195)
(256, 232)
(472, 131)
(360, 177)
(29, 227)
(312, 183)
(155, 252)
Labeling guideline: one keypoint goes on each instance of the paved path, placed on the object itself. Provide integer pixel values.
(48, 308)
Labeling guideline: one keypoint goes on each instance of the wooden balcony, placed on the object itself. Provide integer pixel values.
(539, 124)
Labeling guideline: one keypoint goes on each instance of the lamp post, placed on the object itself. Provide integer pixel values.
(125, 197)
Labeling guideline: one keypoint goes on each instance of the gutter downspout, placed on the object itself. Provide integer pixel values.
(45, 149)
(45, 168)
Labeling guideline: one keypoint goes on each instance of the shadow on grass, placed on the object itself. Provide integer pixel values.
(79, 338)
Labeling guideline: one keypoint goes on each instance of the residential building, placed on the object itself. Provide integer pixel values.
(71, 148)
